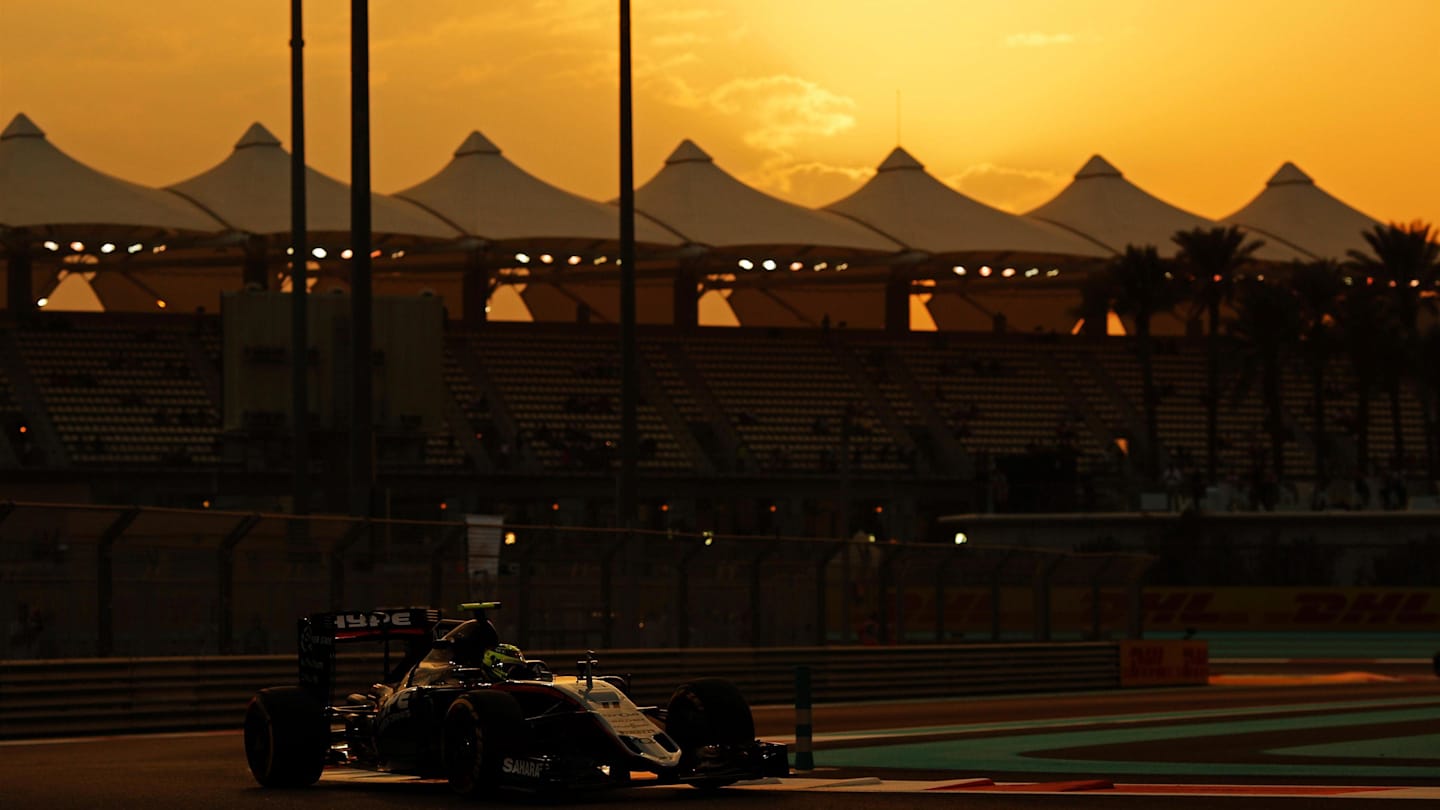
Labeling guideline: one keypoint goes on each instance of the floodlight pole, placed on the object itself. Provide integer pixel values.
(361, 430)
(299, 282)
(626, 495)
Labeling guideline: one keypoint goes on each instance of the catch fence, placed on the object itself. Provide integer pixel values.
(102, 581)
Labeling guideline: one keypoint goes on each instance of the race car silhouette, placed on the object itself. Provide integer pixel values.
(460, 705)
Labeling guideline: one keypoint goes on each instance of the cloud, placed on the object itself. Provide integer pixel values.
(679, 39)
(809, 183)
(682, 16)
(783, 110)
(1038, 39)
(1007, 187)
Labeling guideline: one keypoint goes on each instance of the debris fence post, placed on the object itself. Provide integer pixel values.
(804, 756)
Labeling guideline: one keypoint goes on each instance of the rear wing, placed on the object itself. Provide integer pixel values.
(318, 634)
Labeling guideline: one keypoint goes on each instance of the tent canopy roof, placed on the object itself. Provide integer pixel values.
(43, 188)
(1293, 211)
(487, 196)
(698, 199)
(1101, 205)
(908, 204)
(250, 191)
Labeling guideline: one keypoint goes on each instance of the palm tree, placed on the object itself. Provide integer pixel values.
(1267, 323)
(1142, 286)
(1214, 256)
(1369, 346)
(1318, 292)
(1404, 260)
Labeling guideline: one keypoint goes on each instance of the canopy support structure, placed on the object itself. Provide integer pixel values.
(686, 295)
(19, 285)
(476, 286)
(897, 302)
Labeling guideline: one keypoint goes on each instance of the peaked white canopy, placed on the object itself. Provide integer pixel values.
(45, 190)
(1293, 211)
(485, 195)
(909, 205)
(250, 191)
(1104, 207)
(694, 197)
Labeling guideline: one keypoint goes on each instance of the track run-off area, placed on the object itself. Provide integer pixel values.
(1323, 737)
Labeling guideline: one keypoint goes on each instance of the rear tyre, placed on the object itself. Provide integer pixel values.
(708, 711)
(286, 737)
(481, 728)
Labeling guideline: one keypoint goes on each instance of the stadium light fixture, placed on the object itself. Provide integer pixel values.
(768, 264)
(1414, 282)
(958, 270)
(601, 259)
(510, 538)
(158, 249)
(1052, 272)
(961, 539)
(52, 245)
(399, 254)
(347, 253)
(523, 258)
(746, 264)
(108, 247)
(1008, 272)
(573, 260)
(289, 251)
(135, 248)
(821, 266)
(546, 258)
(375, 254)
(319, 252)
(870, 538)
(42, 303)
(1032, 272)
(796, 266)
(985, 271)
(78, 247)
(842, 266)
(160, 302)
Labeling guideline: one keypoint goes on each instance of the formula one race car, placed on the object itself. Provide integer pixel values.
(462, 706)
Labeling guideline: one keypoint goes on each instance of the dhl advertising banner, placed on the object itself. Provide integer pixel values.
(1164, 663)
(967, 612)
(1293, 609)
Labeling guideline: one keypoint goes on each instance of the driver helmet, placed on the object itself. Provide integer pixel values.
(502, 659)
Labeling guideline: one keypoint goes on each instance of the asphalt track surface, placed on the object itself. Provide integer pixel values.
(1363, 739)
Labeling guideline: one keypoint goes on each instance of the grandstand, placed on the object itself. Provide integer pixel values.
(829, 420)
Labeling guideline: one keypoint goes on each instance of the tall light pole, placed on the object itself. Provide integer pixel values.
(361, 430)
(626, 489)
(299, 284)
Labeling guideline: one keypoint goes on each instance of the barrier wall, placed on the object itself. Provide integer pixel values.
(115, 695)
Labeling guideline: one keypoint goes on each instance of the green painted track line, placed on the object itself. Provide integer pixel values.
(1129, 719)
(1011, 753)
(1421, 746)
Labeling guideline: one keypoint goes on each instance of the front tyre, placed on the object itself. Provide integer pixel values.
(704, 712)
(286, 737)
(481, 728)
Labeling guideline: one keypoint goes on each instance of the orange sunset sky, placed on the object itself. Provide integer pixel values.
(1197, 102)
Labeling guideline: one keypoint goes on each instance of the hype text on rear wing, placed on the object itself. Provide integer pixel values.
(319, 633)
